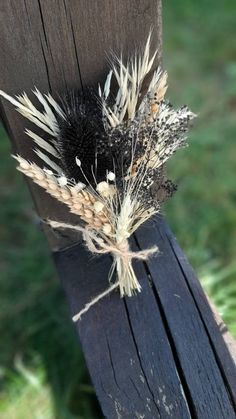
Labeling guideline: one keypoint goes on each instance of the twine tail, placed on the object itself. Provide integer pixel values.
(95, 300)
(122, 262)
(127, 283)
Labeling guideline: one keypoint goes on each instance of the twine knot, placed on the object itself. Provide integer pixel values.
(98, 245)
(122, 262)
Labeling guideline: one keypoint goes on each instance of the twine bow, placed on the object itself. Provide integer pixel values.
(122, 262)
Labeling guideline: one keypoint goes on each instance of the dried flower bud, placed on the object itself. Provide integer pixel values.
(78, 161)
(111, 176)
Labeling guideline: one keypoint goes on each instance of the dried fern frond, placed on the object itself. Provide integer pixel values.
(104, 156)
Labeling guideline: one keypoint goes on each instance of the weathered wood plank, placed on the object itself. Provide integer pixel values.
(28, 60)
(215, 333)
(182, 316)
(160, 336)
(125, 343)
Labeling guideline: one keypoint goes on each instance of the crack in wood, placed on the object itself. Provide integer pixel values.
(113, 369)
(43, 24)
(183, 383)
(76, 52)
(140, 360)
(46, 64)
(214, 383)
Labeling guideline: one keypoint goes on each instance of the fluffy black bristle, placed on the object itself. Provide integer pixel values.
(79, 136)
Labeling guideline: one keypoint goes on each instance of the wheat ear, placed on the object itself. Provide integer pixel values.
(82, 203)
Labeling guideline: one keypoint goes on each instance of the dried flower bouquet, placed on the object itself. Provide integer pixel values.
(104, 157)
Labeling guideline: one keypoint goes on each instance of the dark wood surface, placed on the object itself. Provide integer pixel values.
(160, 353)
(223, 355)
(157, 354)
(124, 342)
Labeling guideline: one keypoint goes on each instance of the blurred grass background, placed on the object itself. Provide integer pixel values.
(42, 370)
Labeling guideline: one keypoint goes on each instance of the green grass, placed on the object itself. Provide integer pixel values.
(200, 57)
(42, 370)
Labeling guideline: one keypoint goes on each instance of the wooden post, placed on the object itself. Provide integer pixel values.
(160, 353)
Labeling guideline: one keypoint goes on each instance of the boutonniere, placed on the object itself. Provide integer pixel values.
(104, 154)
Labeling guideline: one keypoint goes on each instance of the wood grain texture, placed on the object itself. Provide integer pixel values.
(150, 355)
(214, 326)
(58, 45)
(203, 364)
(125, 343)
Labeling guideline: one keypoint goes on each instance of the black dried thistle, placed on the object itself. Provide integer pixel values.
(81, 134)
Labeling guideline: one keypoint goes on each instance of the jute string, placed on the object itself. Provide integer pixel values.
(122, 262)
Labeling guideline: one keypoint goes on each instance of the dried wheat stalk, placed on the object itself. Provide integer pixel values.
(82, 203)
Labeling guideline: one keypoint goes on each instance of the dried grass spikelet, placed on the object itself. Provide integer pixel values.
(158, 94)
